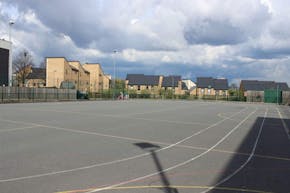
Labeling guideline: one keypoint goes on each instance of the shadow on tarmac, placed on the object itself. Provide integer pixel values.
(164, 179)
(264, 171)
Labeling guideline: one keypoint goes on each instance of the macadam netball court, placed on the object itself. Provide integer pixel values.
(142, 146)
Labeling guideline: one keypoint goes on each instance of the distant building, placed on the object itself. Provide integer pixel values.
(98, 80)
(208, 86)
(188, 86)
(172, 83)
(36, 77)
(141, 82)
(5, 63)
(61, 73)
(153, 84)
(256, 85)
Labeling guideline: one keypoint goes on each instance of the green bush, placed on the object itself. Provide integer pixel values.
(144, 94)
(132, 93)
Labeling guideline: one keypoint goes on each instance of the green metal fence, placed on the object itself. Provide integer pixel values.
(23, 94)
(273, 96)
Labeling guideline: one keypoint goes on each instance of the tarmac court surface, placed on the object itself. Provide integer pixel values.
(142, 146)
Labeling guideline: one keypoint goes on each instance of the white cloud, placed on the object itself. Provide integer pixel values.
(232, 35)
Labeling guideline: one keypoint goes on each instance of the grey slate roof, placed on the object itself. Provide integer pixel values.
(221, 84)
(37, 73)
(204, 82)
(209, 82)
(256, 85)
(169, 81)
(141, 79)
(282, 85)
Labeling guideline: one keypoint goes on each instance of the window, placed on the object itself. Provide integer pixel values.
(139, 87)
(208, 91)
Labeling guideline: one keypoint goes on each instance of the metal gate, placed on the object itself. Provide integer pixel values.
(273, 96)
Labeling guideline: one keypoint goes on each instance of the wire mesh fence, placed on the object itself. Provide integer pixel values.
(24, 94)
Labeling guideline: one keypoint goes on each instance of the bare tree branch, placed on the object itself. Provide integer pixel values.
(22, 64)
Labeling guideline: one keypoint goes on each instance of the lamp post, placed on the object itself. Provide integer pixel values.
(277, 94)
(11, 22)
(54, 85)
(114, 63)
(172, 89)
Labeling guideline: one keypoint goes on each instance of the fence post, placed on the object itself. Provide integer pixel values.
(18, 94)
(2, 93)
(32, 94)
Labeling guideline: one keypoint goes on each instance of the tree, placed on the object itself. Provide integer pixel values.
(42, 64)
(120, 84)
(22, 64)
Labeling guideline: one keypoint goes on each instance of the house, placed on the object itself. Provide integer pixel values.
(247, 86)
(208, 86)
(61, 73)
(189, 87)
(172, 83)
(141, 82)
(98, 80)
(153, 84)
(81, 77)
(36, 77)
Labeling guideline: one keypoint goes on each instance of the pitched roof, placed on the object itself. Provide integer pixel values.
(282, 85)
(141, 79)
(73, 68)
(209, 82)
(37, 73)
(221, 84)
(188, 84)
(263, 85)
(204, 82)
(169, 81)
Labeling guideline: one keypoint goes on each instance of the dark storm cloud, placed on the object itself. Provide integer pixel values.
(214, 33)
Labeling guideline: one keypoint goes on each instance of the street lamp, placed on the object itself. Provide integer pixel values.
(11, 22)
(114, 63)
(172, 89)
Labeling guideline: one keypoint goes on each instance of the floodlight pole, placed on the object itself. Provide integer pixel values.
(10, 55)
(172, 77)
(277, 94)
(114, 63)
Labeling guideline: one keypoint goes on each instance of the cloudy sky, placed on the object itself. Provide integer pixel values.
(248, 39)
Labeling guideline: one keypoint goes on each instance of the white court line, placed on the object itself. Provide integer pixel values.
(177, 165)
(286, 129)
(122, 117)
(17, 129)
(246, 162)
(161, 110)
(224, 116)
(105, 163)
